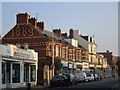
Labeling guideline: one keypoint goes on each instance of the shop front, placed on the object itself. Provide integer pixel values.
(92, 68)
(85, 67)
(69, 67)
(18, 67)
(64, 67)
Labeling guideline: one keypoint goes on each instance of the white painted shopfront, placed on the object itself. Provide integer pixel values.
(17, 66)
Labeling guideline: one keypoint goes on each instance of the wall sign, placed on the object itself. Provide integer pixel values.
(65, 64)
(85, 65)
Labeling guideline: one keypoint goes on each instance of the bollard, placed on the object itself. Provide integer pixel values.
(28, 86)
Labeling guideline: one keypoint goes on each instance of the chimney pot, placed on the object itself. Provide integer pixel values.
(22, 18)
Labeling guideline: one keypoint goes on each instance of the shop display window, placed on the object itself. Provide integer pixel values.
(26, 73)
(33, 73)
(3, 73)
(16, 73)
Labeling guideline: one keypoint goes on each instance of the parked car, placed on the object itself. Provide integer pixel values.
(90, 77)
(81, 76)
(96, 77)
(60, 80)
(71, 79)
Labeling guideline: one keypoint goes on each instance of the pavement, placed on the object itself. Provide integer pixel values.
(32, 88)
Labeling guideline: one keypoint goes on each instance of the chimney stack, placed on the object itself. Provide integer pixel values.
(33, 21)
(40, 25)
(22, 18)
(64, 35)
(71, 33)
(57, 32)
(107, 51)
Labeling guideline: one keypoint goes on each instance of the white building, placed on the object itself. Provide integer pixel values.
(88, 43)
(17, 66)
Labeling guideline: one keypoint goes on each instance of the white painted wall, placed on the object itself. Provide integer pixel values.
(73, 42)
(81, 41)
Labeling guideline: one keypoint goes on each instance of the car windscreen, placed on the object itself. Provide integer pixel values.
(88, 75)
(58, 78)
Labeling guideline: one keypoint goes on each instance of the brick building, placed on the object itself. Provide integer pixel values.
(28, 33)
(111, 60)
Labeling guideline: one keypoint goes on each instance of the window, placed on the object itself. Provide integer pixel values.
(63, 52)
(57, 51)
(50, 49)
(16, 73)
(70, 54)
(77, 56)
(60, 52)
(33, 73)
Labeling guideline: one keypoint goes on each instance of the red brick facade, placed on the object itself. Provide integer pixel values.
(29, 31)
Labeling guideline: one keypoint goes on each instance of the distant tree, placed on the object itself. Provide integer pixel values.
(118, 64)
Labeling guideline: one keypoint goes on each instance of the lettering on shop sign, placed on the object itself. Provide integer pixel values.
(21, 53)
(85, 65)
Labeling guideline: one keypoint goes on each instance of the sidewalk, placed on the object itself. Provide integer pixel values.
(32, 87)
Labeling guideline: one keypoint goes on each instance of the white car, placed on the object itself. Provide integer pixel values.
(90, 77)
(81, 76)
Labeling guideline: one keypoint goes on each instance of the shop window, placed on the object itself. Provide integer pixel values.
(16, 73)
(8, 72)
(33, 73)
(26, 73)
(50, 49)
(3, 73)
(63, 52)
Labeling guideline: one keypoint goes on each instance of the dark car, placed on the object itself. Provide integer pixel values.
(71, 79)
(96, 77)
(60, 80)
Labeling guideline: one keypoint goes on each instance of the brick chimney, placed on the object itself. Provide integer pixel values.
(71, 33)
(107, 51)
(22, 18)
(57, 32)
(40, 25)
(33, 21)
(64, 35)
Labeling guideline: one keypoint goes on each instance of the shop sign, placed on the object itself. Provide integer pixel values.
(85, 65)
(70, 65)
(20, 53)
(5, 50)
(65, 64)
(46, 67)
(75, 66)
(92, 65)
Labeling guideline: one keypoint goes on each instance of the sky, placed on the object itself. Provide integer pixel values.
(91, 18)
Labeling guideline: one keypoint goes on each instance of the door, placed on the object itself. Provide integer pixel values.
(26, 73)
(8, 74)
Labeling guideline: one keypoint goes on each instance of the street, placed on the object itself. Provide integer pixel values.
(108, 83)
(105, 84)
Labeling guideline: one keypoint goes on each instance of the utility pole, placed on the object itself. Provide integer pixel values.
(53, 66)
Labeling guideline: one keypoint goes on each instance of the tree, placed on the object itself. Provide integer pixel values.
(118, 64)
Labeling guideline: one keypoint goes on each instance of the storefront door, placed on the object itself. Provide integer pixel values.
(8, 74)
(26, 73)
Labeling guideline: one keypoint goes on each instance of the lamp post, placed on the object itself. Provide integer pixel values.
(52, 53)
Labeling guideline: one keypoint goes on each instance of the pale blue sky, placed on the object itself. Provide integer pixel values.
(92, 18)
